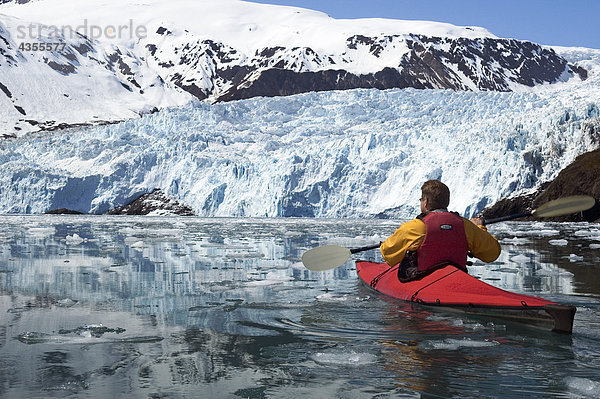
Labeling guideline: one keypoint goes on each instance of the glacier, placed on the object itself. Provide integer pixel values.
(355, 153)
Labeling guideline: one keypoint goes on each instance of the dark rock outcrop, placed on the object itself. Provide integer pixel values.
(155, 202)
(63, 211)
(582, 177)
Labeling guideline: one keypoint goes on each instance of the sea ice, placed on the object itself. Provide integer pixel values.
(74, 239)
(520, 259)
(558, 243)
(42, 231)
(457, 344)
(583, 387)
(515, 241)
(575, 258)
(343, 358)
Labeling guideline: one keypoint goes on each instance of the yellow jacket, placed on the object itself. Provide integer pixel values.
(410, 236)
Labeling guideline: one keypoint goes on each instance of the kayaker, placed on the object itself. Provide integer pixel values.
(437, 237)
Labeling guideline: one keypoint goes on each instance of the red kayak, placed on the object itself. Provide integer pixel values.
(453, 288)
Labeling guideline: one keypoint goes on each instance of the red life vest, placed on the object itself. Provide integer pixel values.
(445, 241)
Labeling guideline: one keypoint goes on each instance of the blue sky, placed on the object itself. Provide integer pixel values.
(553, 22)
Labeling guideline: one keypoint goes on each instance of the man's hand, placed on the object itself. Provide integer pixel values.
(477, 221)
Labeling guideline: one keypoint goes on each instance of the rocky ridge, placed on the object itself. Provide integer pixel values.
(218, 72)
(582, 177)
(155, 203)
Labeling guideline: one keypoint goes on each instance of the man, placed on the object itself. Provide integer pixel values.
(437, 237)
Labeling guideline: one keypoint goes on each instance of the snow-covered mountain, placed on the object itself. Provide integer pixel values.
(15, 1)
(353, 153)
(77, 81)
(138, 55)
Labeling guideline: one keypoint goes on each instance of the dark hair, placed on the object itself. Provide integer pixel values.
(437, 193)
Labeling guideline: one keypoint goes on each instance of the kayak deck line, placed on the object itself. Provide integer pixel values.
(453, 289)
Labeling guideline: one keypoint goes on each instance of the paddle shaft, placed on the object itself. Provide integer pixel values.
(362, 249)
(504, 218)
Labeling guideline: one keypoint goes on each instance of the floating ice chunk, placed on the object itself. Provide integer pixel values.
(271, 278)
(515, 240)
(32, 337)
(66, 303)
(258, 283)
(553, 272)
(42, 231)
(245, 255)
(594, 246)
(86, 334)
(558, 243)
(282, 266)
(583, 386)
(137, 245)
(329, 297)
(543, 233)
(344, 358)
(506, 270)
(130, 231)
(74, 239)
(520, 259)
(575, 258)
(456, 344)
(166, 232)
(594, 233)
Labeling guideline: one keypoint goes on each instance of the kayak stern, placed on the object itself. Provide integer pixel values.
(563, 316)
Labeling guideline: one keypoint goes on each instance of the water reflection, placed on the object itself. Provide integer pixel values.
(143, 307)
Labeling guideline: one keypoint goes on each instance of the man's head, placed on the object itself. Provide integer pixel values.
(434, 195)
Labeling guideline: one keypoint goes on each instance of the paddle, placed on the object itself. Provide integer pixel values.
(332, 256)
(558, 207)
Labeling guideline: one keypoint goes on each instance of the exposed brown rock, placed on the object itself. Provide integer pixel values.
(582, 177)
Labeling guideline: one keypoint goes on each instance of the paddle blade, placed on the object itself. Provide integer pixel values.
(325, 257)
(565, 206)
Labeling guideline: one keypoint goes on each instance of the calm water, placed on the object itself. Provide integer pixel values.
(105, 307)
